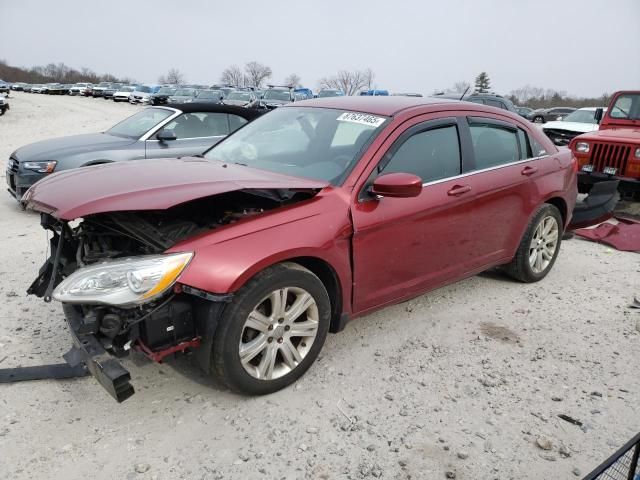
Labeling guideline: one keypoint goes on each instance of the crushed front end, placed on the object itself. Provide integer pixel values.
(120, 290)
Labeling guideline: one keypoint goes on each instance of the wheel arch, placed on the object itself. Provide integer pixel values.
(561, 205)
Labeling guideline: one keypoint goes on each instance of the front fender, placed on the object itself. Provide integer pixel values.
(226, 266)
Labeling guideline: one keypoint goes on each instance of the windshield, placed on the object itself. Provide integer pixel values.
(581, 116)
(209, 94)
(627, 107)
(328, 93)
(166, 91)
(137, 125)
(115, 86)
(244, 96)
(143, 89)
(184, 92)
(316, 143)
(126, 89)
(273, 94)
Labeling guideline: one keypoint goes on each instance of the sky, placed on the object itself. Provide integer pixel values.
(583, 47)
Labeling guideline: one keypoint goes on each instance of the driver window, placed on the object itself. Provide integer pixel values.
(201, 124)
(432, 155)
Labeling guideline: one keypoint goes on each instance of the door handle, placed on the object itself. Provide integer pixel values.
(529, 171)
(458, 190)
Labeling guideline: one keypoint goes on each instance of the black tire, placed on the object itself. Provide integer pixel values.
(520, 267)
(225, 357)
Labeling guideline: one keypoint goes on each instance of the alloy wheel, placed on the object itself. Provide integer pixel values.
(543, 244)
(278, 333)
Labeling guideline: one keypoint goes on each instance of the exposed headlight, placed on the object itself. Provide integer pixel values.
(123, 283)
(40, 167)
(582, 147)
(637, 154)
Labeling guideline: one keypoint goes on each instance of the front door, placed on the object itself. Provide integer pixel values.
(403, 246)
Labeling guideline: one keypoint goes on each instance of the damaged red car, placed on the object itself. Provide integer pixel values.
(311, 215)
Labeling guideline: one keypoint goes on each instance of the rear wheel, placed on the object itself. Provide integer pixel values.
(272, 331)
(539, 246)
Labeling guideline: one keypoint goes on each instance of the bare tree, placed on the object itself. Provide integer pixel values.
(293, 80)
(173, 77)
(461, 86)
(232, 75)
(256, 73)
(349, 82)
(368, 78)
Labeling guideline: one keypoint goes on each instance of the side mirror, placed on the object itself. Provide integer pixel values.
(399, 185)
(166, 135)
(598, 115)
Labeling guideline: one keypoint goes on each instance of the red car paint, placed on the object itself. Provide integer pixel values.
(381, 250)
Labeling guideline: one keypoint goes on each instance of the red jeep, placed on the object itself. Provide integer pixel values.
(612, 152)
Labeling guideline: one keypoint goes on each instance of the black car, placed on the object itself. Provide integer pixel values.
(490, 99)
(524, 111)
(544, 115)
(161, 97)
(108, 92)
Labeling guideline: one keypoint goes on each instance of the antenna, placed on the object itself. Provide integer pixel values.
(465, 92)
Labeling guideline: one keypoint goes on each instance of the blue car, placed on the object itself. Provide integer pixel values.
(375, 93)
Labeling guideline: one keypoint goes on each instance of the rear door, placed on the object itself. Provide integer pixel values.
(501, 173)
(195, 132)
(403, 246)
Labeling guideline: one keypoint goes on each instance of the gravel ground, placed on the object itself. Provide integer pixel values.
(466, 382)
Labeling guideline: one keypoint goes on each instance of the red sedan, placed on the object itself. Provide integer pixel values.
(312, 215)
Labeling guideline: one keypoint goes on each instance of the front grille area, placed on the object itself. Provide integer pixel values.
(560, 137)
(610, 155)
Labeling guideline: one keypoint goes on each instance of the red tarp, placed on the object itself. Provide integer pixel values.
(624, 236)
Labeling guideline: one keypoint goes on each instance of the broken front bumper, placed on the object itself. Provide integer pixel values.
(87, 349)
(597, 207)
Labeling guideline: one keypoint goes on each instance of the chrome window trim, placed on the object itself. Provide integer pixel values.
(162, 123)
(190, 138)
(473, 172)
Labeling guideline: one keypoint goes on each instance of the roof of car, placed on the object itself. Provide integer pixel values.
(377, 105)
(247, 113)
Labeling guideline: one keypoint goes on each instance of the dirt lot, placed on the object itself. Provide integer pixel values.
(467, 381)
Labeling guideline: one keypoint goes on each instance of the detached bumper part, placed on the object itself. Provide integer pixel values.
(597, 207)
(107, 370)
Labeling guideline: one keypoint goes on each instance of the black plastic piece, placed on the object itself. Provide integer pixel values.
(57, 371)
(108, 371)
(597, 207)
(168, 326)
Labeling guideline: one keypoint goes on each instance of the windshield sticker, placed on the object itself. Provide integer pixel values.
(361, 118)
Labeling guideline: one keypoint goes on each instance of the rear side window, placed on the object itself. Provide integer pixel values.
(432, 155)
(494, 145)
(537, 150)
(495, 103)
(200, 124)
(235, 122)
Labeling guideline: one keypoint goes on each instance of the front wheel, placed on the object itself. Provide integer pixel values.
(272, 331)
(539, 246)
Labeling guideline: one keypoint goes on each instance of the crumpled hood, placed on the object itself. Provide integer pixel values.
(148, 185)
(56, 148)
(571, 126)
